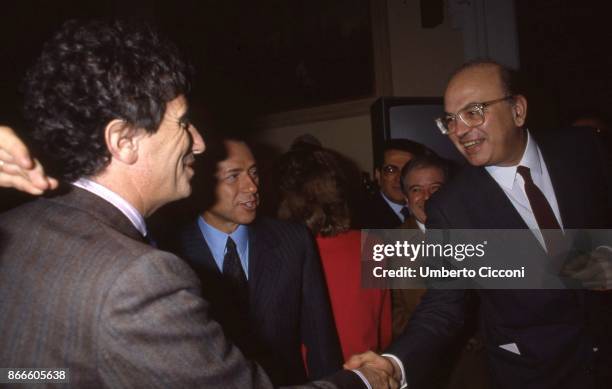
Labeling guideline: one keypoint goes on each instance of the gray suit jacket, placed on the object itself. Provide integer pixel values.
(80, 289)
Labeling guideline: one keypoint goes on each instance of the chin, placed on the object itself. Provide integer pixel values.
(398, 200)
(248, 218)
(476, 160)
(183, 192)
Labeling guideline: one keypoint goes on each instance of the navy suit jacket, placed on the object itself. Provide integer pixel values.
(555, 331)
(379, 215)
(289, 302)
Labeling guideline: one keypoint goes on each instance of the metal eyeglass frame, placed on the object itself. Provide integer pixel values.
(478, 108)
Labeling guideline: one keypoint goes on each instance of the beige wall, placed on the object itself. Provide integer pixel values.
(421, 60)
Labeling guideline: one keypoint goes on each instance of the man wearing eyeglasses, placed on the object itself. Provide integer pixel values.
(388, 208)
(534, 338)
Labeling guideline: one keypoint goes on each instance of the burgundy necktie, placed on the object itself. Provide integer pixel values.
(539, 205)
(543, 213)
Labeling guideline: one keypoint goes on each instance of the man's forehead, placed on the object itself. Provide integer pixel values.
(427, 172)
(395, 155)
(471, 86)
(239, 156)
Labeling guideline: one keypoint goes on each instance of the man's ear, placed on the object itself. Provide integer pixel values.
(519, 110)
(122, 141)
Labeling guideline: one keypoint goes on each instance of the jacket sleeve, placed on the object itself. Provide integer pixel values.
(154, 331)
(433, 328)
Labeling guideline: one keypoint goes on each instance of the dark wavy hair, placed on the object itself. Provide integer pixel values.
(313, 189)
(90, 73)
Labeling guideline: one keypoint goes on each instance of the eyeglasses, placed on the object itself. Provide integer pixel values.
(471, 116)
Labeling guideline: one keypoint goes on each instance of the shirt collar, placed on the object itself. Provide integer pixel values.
(505, 175)
(397, 208)
(119, 202)
(421, 226)
(217, 239)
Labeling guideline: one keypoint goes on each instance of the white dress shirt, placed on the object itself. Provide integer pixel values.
(513, 186)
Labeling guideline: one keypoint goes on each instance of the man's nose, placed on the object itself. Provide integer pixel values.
(250, 185)
(461, 128)
(198, 145)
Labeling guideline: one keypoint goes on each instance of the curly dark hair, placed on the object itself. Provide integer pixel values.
(313, 189)
(90, 73)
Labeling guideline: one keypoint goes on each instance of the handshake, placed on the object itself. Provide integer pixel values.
(380, 371)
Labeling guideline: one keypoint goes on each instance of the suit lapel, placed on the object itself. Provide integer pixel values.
(391, 220)
(491, 197)
(196, 250)
(264, 262)
(568, 191)
(74, 197)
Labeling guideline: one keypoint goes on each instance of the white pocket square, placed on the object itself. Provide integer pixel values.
(512, 347)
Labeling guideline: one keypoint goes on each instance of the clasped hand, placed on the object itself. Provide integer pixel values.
(381, 372)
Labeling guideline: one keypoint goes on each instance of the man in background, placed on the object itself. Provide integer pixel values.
(387, 207)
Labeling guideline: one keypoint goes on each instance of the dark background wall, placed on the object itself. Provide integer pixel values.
(266, 56)
(252, 58)
(258, 57)
(566, 58)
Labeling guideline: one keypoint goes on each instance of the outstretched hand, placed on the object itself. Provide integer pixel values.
(18, 169)
(371, 360)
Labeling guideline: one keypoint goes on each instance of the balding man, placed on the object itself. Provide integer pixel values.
(534, 338)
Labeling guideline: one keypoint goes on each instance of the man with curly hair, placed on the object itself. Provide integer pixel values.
(80, 288)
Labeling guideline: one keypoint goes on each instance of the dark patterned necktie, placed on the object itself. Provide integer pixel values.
(232, 270)
(405, 212)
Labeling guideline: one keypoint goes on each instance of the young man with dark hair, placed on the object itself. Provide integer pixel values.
(387, 207)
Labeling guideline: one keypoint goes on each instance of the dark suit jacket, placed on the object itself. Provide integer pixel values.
(379, 215)
(289, 302)
(79, 289)
(555, 330)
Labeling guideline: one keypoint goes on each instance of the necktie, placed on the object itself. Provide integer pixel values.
(405, 212)
(539, 205)
(233, 272)
(543, 212)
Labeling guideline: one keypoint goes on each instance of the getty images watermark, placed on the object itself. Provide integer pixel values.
(487, 259)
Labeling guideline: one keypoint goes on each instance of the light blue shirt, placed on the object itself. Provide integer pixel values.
(217, 241)
(395, 207)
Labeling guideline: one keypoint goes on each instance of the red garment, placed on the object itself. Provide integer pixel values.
(363, 316)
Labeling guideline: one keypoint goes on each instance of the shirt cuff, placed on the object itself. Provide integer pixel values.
(403, 381)
(363, 378)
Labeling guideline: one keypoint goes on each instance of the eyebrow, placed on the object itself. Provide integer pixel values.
(232, 170)
(433, 183)
(464, 107)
